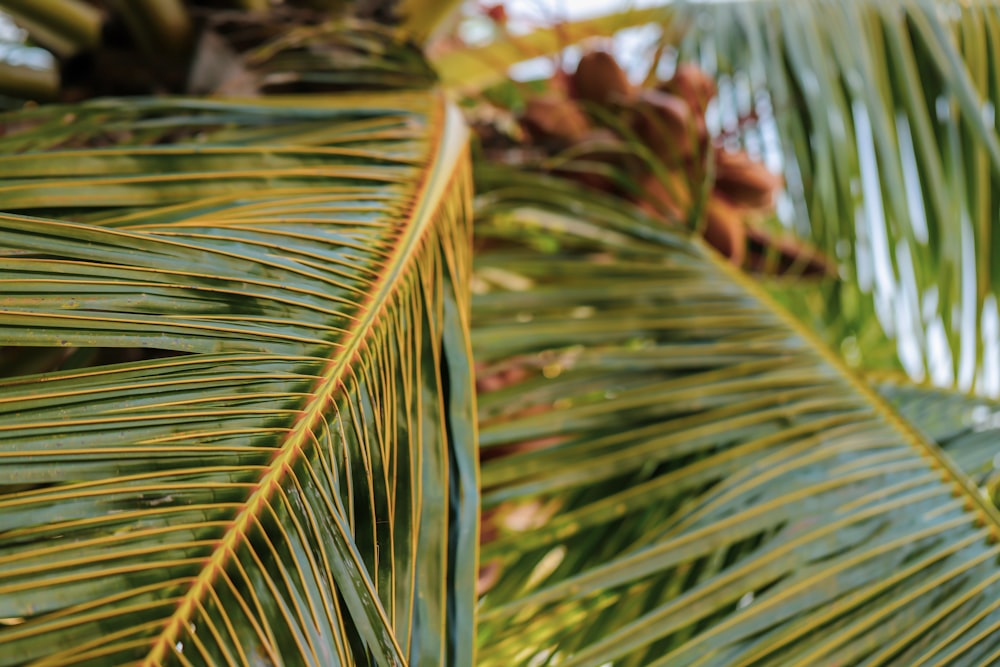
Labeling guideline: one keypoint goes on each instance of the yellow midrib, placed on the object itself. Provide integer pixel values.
(986, 514)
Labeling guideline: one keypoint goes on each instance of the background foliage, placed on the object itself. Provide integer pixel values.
(257, 412)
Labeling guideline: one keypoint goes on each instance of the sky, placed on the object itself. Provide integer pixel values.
(573, 9)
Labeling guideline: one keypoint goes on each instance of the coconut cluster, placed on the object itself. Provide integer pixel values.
(651, 144)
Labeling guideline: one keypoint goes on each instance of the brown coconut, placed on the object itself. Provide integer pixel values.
(725, 229)
(744, 182)
(599, 79)
(693, 84)
(667, 125)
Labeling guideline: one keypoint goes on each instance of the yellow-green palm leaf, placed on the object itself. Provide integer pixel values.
(293, 481)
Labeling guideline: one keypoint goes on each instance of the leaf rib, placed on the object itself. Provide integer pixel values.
(450, 144)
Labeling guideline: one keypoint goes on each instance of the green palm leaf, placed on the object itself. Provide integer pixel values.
(291, 478)
(685, 477)
(965, 426)
(891, 154)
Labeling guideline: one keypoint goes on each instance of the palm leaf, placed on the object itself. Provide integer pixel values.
(890, 151)
(173, 46)
(965, 426)
(420, 19)
(684, 476)
(474, 69)
(844, 317)
(290, 477)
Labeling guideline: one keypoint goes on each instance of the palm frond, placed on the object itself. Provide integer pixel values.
(343, 55)
(842, 316)
(290, 478)
(681, 475)
(420, 19)
(63, 26)
(141, 47)
(474, 69)
(965, 426)
(890, 151)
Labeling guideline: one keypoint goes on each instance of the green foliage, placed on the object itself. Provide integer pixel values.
(290, 478)
(254, 441)
(689, 477)
(965, 426)
(890, 150)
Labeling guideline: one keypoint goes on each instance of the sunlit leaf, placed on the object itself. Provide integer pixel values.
(471, 70)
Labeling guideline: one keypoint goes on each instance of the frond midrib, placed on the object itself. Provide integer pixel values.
(987, 514)
(448, 144)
